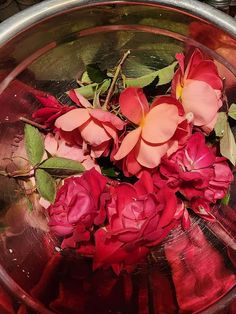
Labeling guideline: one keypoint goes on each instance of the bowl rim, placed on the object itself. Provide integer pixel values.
(46, 9)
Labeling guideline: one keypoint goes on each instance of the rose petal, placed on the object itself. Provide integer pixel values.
(128, 143)
(79, 99)
(133, 104)
(200, 99)
(150, 155)
(93, 133)
(72, 119)
(160, 124)
(108, 117)
(51, 144)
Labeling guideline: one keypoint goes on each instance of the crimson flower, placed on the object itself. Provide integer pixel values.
(140, 216)
(77, 207)
(196, 171)
(52, 109)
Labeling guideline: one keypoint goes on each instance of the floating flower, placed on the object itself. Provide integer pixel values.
(97, 128)
(140, 216)
(52, 109)
(77, 207)
(199, 87)
(196, 171)
(160, 130)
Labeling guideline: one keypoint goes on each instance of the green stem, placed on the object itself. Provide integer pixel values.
(117, 72)
(33, 123)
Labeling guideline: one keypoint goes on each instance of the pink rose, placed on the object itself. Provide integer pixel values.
(77, 207)
(139, 217)
(195, 171)
(57, 146)
(199, 87)
(96, 127)
(160, 129)
(51, 110)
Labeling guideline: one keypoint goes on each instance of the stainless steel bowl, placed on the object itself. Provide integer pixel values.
(47, 46)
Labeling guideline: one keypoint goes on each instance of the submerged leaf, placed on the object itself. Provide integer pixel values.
(62, 166)
(33, 144)
(95, 73)
(232, 111)
(45, 185)
(165, 76)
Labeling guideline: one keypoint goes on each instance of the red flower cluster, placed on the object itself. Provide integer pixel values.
(162, 144)
(131, 218)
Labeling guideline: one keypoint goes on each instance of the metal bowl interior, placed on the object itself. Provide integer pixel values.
(47, 47)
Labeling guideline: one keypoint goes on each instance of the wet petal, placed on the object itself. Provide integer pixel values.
(128, 143)
(160, 123)
(133, 104)
(72, 119)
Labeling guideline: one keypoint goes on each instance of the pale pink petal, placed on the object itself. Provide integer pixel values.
(111, 131)
(70, 152)
(160, 124)
(108, 117)
(72, 119)
(93, 133)
(200, 99)
(150, 155)
(133, 104)
(128, 143)
(50, 144)
(89, 163)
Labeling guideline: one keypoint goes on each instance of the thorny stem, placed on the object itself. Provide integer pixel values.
(118, 69)
(37, 125)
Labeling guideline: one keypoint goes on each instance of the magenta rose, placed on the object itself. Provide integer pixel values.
(77, 207)
(196, 171)
(139, 217)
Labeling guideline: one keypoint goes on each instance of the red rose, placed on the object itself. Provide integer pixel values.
(51, 110)
(139, 217)
(195, 171)
(77, 207)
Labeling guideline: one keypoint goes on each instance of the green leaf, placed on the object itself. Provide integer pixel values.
(165, 76)
(226, 199)
(45, 185)
(232, 111)
(95, 73)
(89, 91)
(109, 172)
(62, 166)
(85, 78)
(33, 144)
(221, 124)
(227, 141)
